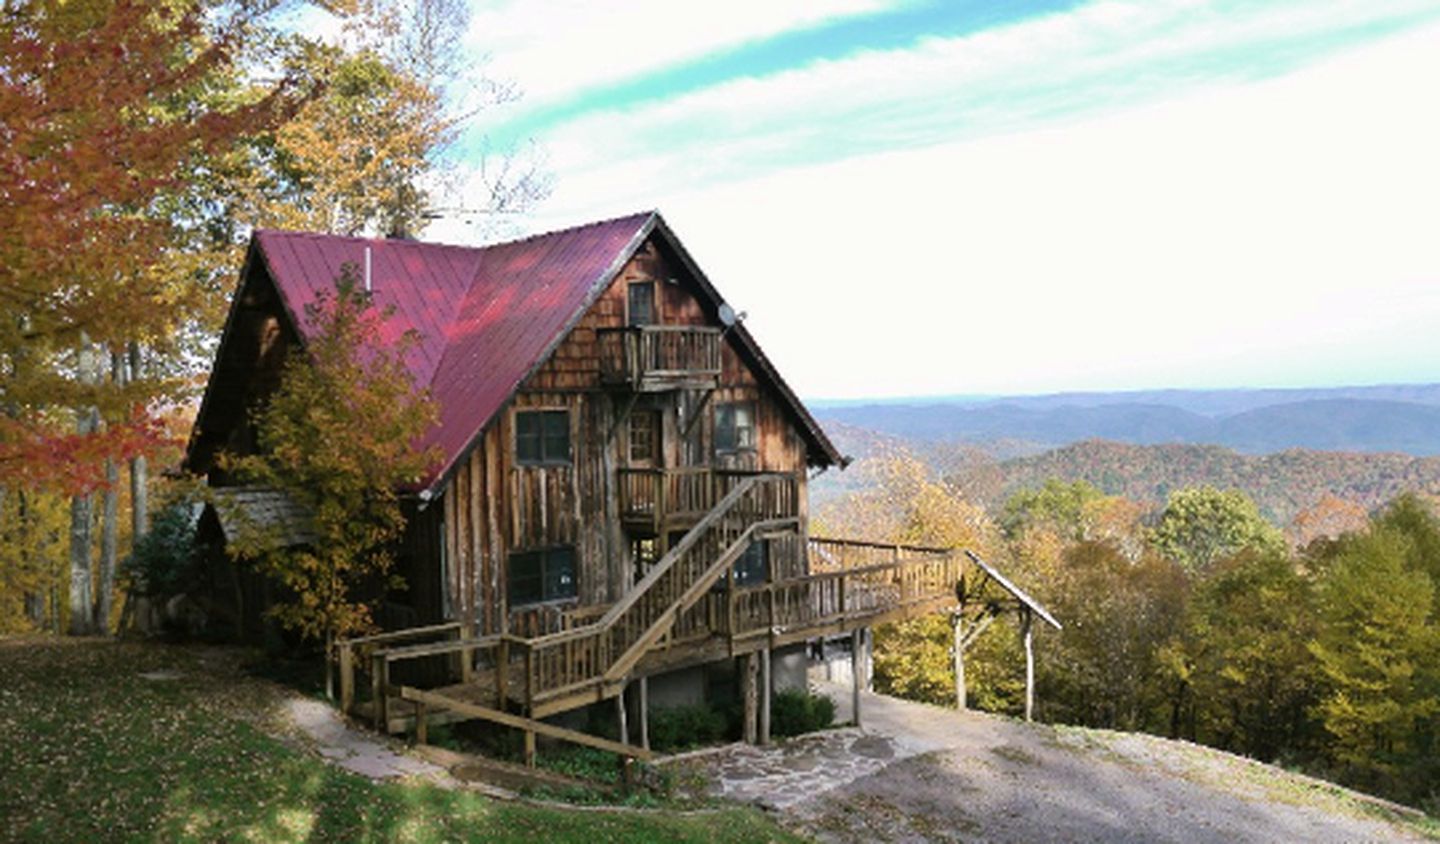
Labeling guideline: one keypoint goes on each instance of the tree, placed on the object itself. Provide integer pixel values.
(1244, 656)
(1377, 653)
(85, 148)
(338, 437)
(1202, 525)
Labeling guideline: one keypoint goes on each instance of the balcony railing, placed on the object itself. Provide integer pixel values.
(660, 357)
(655, 500)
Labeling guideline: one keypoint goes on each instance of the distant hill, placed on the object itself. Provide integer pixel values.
(1282, 484)
(1399, 418)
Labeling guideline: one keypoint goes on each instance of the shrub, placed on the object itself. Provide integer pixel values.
(794, 712)
(164, 562)
(681, 727)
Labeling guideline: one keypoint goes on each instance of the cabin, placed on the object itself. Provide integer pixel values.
(622, 496)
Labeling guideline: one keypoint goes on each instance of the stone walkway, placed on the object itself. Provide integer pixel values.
(354, 750)
(789, 772)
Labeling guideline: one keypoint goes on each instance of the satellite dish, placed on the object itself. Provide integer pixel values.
(727, 315)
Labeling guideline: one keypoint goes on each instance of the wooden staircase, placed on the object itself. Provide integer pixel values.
(544, 675)
(679, 614)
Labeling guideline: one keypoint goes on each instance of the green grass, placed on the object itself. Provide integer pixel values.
(91, 751)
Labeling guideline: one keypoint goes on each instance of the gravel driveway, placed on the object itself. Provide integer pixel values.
(973, 777)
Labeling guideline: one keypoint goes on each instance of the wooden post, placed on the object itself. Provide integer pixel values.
(379, 688)
(957, 622)
(529, 748)
(467, 656)
(502, 674)
(1026, 617)
(748, 670)
(645, 712)
(765, 693)
(857, 668)
(347, 677)
(420, 719)
(620, 716)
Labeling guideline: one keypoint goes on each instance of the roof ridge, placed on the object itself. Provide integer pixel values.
(653, 212)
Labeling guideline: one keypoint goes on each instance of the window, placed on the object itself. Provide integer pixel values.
(735, 426)
(642, 303)
(645, 553)
(545, 575)
(542, 436)
(753, 567)
(644, 436)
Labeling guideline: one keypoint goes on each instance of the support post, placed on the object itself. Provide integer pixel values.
(645, 712)
(748, 669)
(620, 716)
(529, 748)
(347, 677)
(857, 669)
(379, 689)
(957, 622)
(766, 691)
(1026, 619)
(421, 734)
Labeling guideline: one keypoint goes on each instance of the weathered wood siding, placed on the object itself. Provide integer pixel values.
(492, 506)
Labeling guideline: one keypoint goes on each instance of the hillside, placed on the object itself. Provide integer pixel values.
(1282, 484)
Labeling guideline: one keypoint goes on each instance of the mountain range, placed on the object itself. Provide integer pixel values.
(1390, 418)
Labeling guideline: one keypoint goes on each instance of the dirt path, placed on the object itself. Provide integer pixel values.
(950, 776)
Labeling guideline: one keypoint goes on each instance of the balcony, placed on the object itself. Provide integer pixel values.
(656, 358)
(656, 501)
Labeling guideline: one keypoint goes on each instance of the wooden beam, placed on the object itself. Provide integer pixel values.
(530, 725)
(957, 622)
(645, 712)
(857, 661)
(765, 694)
(748, 669)
(620, 716)
(1026, 623)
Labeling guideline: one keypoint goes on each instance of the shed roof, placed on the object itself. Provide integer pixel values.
(489, 317)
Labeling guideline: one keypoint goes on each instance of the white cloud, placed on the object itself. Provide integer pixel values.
(560, 47)
(1238, 232)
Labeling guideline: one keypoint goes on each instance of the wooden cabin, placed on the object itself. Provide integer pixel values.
(622, 491)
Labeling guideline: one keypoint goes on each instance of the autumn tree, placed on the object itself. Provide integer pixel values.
(1202, 525)
(1246, 677)
(1378, 647)
(338, 436)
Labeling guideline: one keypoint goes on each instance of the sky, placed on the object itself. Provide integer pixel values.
(912, 198)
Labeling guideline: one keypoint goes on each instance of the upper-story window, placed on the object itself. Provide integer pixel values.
(640, 309)
(735, 426)
(542, 436)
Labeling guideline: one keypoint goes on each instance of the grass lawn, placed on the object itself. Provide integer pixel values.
(92, 751)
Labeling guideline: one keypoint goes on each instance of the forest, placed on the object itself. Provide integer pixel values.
(142, 142)
(1196, 619)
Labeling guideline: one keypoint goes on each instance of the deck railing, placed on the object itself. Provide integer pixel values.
(691, 594)
(651, 355)
(654, 498)
(848, 583)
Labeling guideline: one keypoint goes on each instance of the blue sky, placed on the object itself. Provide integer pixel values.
(918, 197)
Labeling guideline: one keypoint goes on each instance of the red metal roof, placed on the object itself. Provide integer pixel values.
(486, 316)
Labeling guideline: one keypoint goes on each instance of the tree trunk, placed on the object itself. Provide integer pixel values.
(139, 500)
(110, 524)
(81, 513)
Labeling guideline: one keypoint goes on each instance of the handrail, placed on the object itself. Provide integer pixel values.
(865, 543)
(658, 329)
